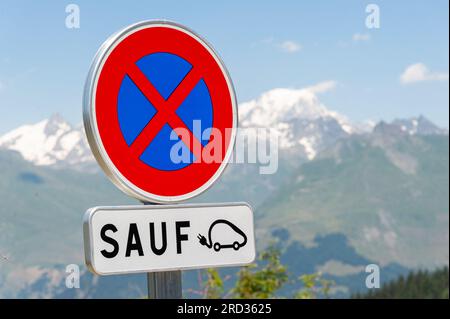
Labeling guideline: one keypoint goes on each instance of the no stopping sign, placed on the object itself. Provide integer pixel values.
(159, 112)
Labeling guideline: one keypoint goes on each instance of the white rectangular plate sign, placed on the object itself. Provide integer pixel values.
(132, 239)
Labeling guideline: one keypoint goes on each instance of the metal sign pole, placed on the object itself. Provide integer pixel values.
(165, 284)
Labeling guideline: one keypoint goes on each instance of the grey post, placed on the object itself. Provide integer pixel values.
(165, 284)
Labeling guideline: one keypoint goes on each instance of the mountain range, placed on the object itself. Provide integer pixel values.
(50, 142)
(298, 116)
(344, 195)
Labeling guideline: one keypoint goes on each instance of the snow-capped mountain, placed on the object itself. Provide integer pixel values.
(411, 126)
(301, 120)
(418, 126)
(299, 117)
(49, 142)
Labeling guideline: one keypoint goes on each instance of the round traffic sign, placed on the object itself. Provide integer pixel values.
(160, 112)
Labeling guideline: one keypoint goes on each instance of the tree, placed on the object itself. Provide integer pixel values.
(261, 283)
(263, 279)
(214, 288)
(314, 286)
(416, 285)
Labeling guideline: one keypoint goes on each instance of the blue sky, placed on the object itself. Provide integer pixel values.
(43, 64)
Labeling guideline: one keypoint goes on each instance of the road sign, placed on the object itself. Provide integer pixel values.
(132, 239)
(157, 90)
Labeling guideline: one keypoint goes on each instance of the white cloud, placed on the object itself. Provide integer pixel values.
(357, 37)
(290, 46)
(419, 72)
(322, 87)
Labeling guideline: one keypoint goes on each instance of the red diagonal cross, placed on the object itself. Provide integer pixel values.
(165, 110)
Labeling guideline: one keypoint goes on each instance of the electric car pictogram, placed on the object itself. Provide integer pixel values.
(230, 241)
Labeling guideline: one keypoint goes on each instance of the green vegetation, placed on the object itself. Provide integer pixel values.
(417, 285)
(263, 279)
(254, 283)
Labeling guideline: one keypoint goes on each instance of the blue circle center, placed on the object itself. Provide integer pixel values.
(166, 151)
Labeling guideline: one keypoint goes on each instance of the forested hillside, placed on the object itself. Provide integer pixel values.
(416, 285)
